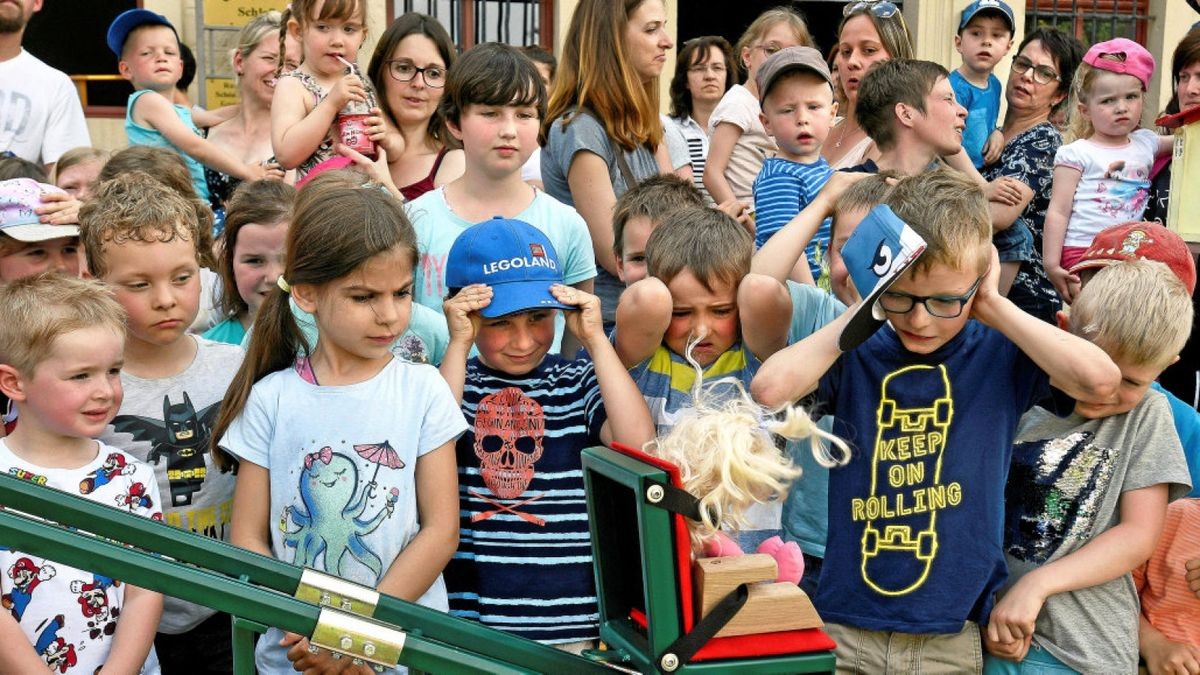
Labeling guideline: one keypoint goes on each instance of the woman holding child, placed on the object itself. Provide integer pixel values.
(602, 134)
(870, 32)
(409, 69)
(1037, 87)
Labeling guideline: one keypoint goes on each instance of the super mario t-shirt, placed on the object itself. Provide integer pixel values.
(68, 614)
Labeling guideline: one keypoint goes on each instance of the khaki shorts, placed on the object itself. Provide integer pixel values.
(876, 652)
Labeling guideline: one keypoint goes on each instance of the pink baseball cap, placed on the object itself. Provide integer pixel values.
(18, 199)
(1133, 59)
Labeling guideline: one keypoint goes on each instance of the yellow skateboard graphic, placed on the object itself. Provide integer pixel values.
(900, 539)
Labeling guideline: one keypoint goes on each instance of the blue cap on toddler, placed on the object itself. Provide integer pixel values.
(978, 6)
(876, 254)
(123, 25)
(514, 258)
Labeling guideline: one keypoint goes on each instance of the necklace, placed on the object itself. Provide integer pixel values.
(842, 136)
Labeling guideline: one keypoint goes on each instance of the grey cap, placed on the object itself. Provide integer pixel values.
(785, 61)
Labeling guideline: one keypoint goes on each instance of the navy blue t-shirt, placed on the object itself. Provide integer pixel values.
(916, 519)
(524, 560)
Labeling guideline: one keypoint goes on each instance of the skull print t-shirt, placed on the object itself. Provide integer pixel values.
(342, 462)
(68, 614)
(524, 560)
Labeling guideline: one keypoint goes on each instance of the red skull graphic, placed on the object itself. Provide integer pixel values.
(508, 440)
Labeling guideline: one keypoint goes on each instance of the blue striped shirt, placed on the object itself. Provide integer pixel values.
(524, 561)
(782, 189)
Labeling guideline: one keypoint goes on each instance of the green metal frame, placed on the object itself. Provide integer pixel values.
(633, 553)
(257, 590)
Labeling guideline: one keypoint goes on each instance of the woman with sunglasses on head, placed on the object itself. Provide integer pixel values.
(1037, 87)
(870, 32)
(409, 69)
(738, 142)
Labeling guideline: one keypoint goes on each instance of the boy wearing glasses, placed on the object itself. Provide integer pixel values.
(985, 34)
(930, 402)
(493, 105)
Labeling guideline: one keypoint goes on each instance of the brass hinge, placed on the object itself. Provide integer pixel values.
(362, 639)
(330, 591)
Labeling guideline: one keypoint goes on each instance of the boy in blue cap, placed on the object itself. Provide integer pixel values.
(985, 33)
(147, 47)
(524, 562)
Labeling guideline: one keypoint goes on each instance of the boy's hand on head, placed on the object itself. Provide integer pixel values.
(585, 321)
(1065, 283)
(1015, 615)
(462, 312)
(58, 208)
(988, 291)
(833, 189)
(736, 210)
(272, 170)
(349, 88)
(1004, 190)
(994, 147)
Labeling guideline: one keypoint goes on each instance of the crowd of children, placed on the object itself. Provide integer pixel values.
(394, 385)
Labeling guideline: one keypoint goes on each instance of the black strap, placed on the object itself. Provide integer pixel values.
(630, 181)
(687, 645)
(677, 500)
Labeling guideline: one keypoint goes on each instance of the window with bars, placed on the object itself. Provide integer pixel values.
(470, 22)
(1091, 21)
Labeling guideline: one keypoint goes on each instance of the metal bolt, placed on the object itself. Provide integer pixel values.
(655, 494)
(669, 662)
(346, 604)
(378, 669)
(357, 662)
(325, 599)
(346, 642)
(313, 649)
(368, 649)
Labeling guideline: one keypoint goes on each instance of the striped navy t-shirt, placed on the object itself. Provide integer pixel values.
(524, 561)
(782, 189)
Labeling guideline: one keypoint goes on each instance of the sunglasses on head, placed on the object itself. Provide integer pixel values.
(880, 8)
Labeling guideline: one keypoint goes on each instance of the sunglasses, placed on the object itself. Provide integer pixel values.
(880, 8)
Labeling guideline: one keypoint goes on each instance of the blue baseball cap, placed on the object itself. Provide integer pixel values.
(876, 254)
(514, 258)
(980, 5)
(119, 29)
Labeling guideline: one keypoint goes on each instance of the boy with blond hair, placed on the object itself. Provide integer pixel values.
(641, 209)
(701, 304)
(930, 403)
(141, 239)
(61, 345)
(1087, 493)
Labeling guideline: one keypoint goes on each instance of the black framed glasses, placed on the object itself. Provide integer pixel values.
(404, 71)
(941, 306)
(880, 8)
(1041, 74)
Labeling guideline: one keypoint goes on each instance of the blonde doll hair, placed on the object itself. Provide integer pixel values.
(725, 449)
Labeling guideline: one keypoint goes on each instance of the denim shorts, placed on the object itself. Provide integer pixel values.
(1016, 243)
(1037, 661)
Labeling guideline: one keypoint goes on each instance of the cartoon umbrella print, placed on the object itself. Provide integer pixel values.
(382, 454)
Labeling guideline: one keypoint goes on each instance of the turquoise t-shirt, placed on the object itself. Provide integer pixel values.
(140, 135)
(437, 227)
(229, 331)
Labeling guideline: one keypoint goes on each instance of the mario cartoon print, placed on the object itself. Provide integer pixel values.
(900, 537)
(114, 465)
(26, 576)
(55, 651)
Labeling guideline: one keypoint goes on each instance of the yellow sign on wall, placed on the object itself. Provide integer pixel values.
(219, 92)
(237, 12)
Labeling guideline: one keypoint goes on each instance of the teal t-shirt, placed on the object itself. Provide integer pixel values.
(140, 135)
(229, 331)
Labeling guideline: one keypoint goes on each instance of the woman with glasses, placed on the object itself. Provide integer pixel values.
(738, 142)
(704, 71)
(409, 69)
(1037, 88)
(602, 134)
(870, 32)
